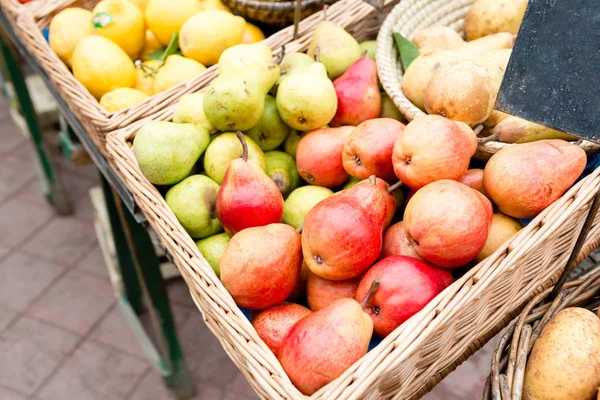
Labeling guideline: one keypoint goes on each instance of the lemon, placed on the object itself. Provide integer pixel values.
(215, 5)
(177, 69)
(122, 98)
(141, 4)
(164, 17)
(151, 44)
(252, 34)
(122, 22)
(208, 34)
(101, 66)
(145, 76)
(66, 29)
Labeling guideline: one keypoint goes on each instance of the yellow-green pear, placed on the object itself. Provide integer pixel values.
(167, 152)
(193, 201)
(271, 131)
(212, 249)
(190, 110)
(291, 143)
(337, 48)
(369, 47)
(225, 148)
(291, 63)
(281, 168)
(301, 201)
(241, 55)
(389, 109)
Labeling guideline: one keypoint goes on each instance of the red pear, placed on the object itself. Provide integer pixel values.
(358, 94)
(342, 234)
(260, 266)
(321, 346)
(322, 292)
(447, 223)
(247, 197)
(319, 156)
(432, 148)
(369, 149)
(300, 289)
(473, 178)
(273, 324)
(406, 285)
(395, 243)
(524, 179)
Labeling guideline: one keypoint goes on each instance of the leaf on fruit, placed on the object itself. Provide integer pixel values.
(163, 53)
(408, 51)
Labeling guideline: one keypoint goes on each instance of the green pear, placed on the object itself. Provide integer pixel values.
(234, 102)
(167, 152)
(389, 109)
(301, 201)
(307, 100)
(212, 249)
(351, 182)
(337, 48)
(292, 63)
(225, 148)
(281, 168)
(370, 47)
(242, 55)
(271, 131)
(291, 143)
(193, 201)
(190, 110)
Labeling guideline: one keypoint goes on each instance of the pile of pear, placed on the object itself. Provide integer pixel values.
(325, 214)
(460, 79)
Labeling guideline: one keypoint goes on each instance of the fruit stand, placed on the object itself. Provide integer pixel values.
(448, 216)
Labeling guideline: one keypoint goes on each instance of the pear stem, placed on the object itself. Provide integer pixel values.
(299, 230)
(317, 54)
(281, 55)
(373, 179)
(393, 187)
(478, 129)
(487, 139)
(364, 54)
(370, 293)
(240, 136)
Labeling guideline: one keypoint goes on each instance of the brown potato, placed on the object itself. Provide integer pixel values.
(491, 16)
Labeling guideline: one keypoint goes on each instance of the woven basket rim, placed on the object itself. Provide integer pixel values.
(275, 5)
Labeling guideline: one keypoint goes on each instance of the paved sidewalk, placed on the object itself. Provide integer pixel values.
(62, 336)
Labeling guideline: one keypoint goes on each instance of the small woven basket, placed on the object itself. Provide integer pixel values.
(408, 18)
(275, 13)
(510, 358)
(96, 120)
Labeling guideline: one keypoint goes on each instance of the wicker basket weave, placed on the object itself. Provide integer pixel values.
(421, 352)
(96, 119)
(13, 8)
(510, 357)
(275, 13)
(408, 18)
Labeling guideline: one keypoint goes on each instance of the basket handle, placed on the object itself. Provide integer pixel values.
(572, 262)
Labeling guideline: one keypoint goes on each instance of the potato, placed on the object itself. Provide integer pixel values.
(565, 361)
(492, 16)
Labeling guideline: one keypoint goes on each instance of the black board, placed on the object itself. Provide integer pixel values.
(553, 77)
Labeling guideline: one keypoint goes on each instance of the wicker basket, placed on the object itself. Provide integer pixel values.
(409, 17)
(510, 357)
(96, 119)
(275, 13)
(421, 352)
(13, 8)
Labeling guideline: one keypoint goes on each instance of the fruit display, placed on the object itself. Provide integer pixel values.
(124, 51)
(300, 164)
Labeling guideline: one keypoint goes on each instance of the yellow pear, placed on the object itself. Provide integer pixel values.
(206, 35)
(122, 22)
(66, 29)
(492, 16)
(501, 229)
(102, 66)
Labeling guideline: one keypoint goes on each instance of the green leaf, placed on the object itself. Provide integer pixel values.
(156, 54)
(172, 48)
(408, 51)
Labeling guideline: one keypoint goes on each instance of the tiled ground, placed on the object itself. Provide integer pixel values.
(62, 336)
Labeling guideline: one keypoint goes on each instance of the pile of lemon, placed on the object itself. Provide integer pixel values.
(112, 49)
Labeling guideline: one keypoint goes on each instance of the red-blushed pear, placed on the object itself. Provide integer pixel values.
(406, 285)
(393, 197)
(473, 178)
(321, 346)
(447, 223)
(320, 292)
(300, 289)
(395, 243)
(358, 94)
(432, 148)
(319, 156)
(273, 324)
(261, 265)
(247, 197)
(368, 150)
(524, 179)
(342, 234)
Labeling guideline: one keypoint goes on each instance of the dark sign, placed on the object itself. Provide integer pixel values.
(553, 77)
